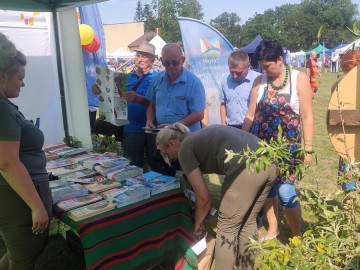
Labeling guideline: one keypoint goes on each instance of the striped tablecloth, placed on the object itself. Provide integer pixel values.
(137, 236)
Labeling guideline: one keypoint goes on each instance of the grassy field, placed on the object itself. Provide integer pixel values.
(321, 177)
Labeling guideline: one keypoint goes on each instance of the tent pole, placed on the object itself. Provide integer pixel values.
(60, 74)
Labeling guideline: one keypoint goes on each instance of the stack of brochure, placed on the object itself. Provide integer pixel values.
(122, 174)
(91, 210)
(68, 192)
(67, 151)
(162, 183)
(103, 185)
(132, 195)
(77, 202)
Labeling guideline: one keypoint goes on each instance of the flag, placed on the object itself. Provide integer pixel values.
(207, 51)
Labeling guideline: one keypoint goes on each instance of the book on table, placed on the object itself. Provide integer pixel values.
(88, 180)
(66, 169)
(100, 159)
(102, 186)
(122, 174)
(69, 204)
(133, 194)
(57, 163)
(78, 174)
(118, 165)
(80, 158)
(91, 210)
(162, 183)
(50, 147)
(54, 184)
(68, 192)
(67, 151)
(111, 193)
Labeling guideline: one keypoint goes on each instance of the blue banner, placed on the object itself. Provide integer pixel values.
(90, 15)
(207, 51)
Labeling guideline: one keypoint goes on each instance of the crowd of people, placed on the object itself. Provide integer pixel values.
(253, 106)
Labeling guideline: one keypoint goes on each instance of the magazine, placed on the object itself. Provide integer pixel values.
(132, 195)
(91, 210)
(112, 108)
(100, 159)
(162, 183)
(85, 172)
(111, 193)
(88, 180)
(122, 174)
(67, 151)
(67, 169)
(60, 162)
(103, 185)
(78, 202)
(68, 192)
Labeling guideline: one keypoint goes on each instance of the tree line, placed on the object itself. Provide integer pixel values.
(295, 26)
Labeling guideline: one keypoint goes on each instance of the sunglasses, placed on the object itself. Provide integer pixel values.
(167, 63)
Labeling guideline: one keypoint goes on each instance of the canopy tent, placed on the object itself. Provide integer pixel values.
(354, 44)
(68, 52)
(319, 49)
(159, 43)
(122, 53)
(338, 47)
(250, 48)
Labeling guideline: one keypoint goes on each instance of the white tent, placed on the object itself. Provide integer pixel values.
(297, 59)
(159, 43)
(121, 52)
(355, 44)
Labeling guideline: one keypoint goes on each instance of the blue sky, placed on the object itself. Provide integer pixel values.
(121, 11)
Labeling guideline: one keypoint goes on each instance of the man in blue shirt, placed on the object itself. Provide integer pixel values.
(136, 142)
(235, 89)
(176, 94)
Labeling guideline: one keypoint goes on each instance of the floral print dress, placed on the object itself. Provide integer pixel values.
(274, 110)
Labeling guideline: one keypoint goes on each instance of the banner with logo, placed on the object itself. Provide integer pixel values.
(207, 51)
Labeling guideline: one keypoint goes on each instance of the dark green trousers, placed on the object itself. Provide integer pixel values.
(22, 245)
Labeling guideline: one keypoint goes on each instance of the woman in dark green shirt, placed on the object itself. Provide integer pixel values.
(243, 193)
(25, 197)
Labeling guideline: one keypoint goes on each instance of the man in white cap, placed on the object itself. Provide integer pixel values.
(136, 142)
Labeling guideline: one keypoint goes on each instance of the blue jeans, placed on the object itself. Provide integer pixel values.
(286, 193)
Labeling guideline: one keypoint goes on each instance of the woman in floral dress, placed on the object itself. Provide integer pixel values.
(281, 96)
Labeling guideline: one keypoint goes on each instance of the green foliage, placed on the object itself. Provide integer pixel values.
(103, 144)
(228, 24)
(72, 142)
(332, 242)
(273, 152)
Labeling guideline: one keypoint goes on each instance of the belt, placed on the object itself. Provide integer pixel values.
(236, 126)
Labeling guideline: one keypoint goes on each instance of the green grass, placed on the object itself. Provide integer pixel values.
(321, 177)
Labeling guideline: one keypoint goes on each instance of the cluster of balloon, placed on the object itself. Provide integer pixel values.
(88, 40)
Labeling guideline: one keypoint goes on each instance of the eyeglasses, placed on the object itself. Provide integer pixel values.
(163, 149)
(141, 55)
(167, 63)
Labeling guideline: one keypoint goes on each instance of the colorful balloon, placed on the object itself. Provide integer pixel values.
(86, 34)
(93, 46)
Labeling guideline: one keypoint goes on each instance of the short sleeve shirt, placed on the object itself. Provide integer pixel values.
(14, 127)
(235, 95)
(206, 149)
(176, 101)
(137, 111)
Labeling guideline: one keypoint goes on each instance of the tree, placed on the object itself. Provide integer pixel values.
(190, 9)
(139, 15)
(229, 25)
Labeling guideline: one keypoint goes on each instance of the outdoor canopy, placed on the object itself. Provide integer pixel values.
(55, 6)
(251, 47)
(319, 49)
